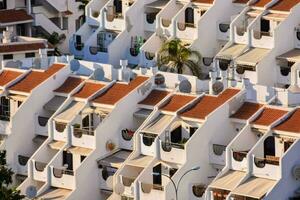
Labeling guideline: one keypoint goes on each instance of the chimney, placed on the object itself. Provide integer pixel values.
(6, 37)
(125, 72)
(44, 58)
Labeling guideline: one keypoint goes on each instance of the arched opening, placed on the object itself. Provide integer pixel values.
(224, 64)
(269, 146)
(298, 35)
(189, 16)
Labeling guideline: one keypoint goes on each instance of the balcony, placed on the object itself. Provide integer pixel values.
(148, 145)
(114, 20)
(62, 178)
(173, 152)
(83, 137)
(151, 191)
(22, 165)
(41, 125)
(217, 154)
(61, 131)
(39, 171)
(186, 31)
(149, 21)
(224, 31)
(239, 160)
(268, 167)
(262, 39)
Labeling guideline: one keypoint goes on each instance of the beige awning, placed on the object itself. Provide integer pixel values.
(141, 161)
(70, 112)
(158, 124)
(291, 56)
(80, 150)
(142, 113)
(17, 97)
(160, 4)
(53, 193)
(231, 52)
(54, 103)
(255, 187)
(115, 160)
(252, 57)
(57, 145)
(229, 180)
(275, 16)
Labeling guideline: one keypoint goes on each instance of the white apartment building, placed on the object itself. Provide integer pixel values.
(41, 18)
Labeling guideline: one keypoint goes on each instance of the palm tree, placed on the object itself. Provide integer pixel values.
(55, 39)
(174, 56)
(81, 7)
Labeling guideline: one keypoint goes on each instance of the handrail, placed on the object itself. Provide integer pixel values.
(78, 132)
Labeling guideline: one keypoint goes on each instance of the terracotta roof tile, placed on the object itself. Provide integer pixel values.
(176, 102)
(9, 48)
(119, 90)
(241, 1)
(154, 97)
(203, 1)
(7, 76)
(208, 104)
(261, 3)
(246, 110)
(292, 124)
(12, 16)
(285, 5)
(34, 78)
(70, 84)
(269, 116)
(88, 89)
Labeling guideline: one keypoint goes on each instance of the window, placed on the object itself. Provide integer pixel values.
(189, 16)
(30, 55)
(265, 26)
(8, 57)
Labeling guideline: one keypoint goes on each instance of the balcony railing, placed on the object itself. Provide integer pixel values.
(182, 26)
(146, 187)
(58, 173)
(78, 132)
(167, 146)
(271, 160)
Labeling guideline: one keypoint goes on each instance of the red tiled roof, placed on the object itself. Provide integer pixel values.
(7, 76)
(208, 104)
(34, 78)
(261, 3)
(246, 110)
(292, 124)
(70, 84)
(285, 5)
(154, 97)
(203, 1)
(118, 91)
(11, 16)
(269, 116)
(176, 102)
(88, 89)
(9, 48)
(241, 1)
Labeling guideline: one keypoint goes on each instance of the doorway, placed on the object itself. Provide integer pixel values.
(269, 146)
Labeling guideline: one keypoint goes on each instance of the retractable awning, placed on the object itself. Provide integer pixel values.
(80, 150)
(54, 103)
(140, 161)
(252, 57)
(275, 16)
(291, 56)
(18, 97)
(115, 160)
(228, 181)
(57, 145)
(254, 187)
(231, 52)
(70, 112)
(160, 4)
(158, 124)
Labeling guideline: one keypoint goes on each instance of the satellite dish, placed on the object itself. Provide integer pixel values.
(185, 86)
(74, 65)
(218, 87)
(296, 172)
(31, 192)
(99, 74)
